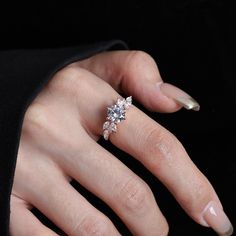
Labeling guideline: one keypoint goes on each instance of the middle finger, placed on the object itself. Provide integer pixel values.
(109, 179)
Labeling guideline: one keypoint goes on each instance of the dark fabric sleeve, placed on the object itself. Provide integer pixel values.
(23, 73)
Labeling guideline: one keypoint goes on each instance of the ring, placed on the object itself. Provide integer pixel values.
(115, 114)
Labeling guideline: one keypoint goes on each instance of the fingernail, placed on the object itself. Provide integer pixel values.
(181, 97)
(215, 217)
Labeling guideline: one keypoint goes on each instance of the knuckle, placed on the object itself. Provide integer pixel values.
(36, 117)
(135, 196)
(94, 226)
(67, 72)
(164, 228)
(140, 57)
(67, 80)
(140, 61)
(160, 146)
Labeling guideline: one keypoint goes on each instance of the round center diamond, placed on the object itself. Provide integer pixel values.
(116, 113)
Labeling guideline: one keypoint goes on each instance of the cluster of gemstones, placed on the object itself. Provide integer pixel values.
(115, 114)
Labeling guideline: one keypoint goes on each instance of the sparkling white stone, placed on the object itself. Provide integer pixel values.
(115, 114)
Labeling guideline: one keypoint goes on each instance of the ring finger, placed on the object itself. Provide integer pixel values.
(161, 153)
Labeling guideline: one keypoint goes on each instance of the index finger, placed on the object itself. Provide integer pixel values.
(137, 74)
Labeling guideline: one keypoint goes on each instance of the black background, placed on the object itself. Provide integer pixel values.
(192, 43)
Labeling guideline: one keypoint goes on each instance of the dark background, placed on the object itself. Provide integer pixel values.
(192, 43)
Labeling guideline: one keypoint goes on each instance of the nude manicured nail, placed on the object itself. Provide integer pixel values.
(215, 217)
(181, 97)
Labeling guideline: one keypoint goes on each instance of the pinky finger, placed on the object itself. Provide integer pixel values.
(24, 223)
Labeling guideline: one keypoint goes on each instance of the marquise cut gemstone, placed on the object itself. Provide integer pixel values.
(129, 100)
(106, 134)
(121, 102)
(113, 127)
(106, 125)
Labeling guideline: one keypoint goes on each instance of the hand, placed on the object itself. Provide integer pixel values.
(58, 143)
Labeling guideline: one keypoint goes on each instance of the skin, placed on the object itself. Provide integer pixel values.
(59, 143)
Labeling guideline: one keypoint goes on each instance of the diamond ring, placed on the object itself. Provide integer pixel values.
(115, 114)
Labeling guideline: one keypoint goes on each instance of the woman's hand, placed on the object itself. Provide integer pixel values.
(59, 143)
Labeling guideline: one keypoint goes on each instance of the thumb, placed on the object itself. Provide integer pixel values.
(136, 73)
